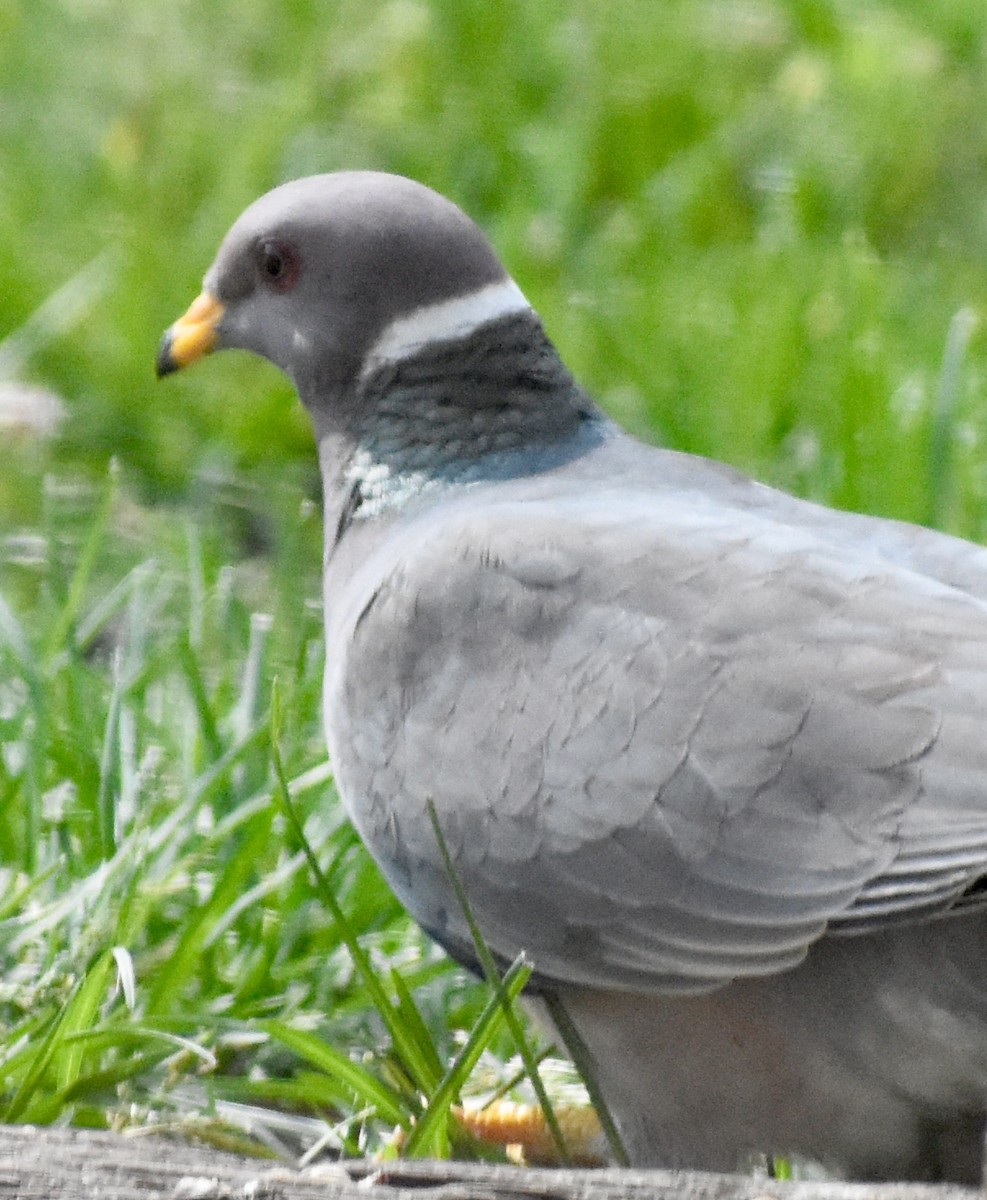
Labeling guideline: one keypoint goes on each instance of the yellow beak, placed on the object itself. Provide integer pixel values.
(191, 336)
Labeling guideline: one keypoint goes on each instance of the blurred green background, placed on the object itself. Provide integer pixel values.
(757, 229)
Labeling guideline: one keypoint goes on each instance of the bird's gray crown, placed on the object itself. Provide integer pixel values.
(365, 258)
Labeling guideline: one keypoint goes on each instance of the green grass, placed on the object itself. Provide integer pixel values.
(755, 229)
(165, 951)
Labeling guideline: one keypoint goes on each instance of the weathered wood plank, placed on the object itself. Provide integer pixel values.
(74, 1164)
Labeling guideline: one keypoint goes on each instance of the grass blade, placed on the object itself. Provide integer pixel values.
(384, 1100)
(493, 978)
(404, 1038)
(480, 1036)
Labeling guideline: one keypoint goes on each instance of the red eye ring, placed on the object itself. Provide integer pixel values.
(277, 263)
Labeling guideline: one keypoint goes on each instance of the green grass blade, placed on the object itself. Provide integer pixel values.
(493, 978)
(184, 964)
(431, 1124)
(412, 1021)
(197, 686)
(942, 479)
(53, 1053)
(79, 1018)
(385, 1101)
(578, 1052)
(403, 1037)
(84, 568)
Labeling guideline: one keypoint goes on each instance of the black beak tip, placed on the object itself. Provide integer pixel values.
(165, 363)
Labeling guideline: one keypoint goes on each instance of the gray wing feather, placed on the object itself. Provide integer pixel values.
(666, 748)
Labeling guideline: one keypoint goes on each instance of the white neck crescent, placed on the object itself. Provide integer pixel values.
(445, 321)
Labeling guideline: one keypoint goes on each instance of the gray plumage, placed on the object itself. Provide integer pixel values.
(713, 756)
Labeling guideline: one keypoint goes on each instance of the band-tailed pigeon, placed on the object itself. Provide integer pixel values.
(715, 757)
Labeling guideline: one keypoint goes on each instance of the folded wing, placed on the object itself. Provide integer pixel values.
(669, 744)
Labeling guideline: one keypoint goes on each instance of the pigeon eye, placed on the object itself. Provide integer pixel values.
(278, 265)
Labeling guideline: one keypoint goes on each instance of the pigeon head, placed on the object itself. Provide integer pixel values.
(327, 274)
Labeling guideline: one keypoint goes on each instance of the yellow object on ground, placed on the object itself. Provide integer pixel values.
(524, 1132)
